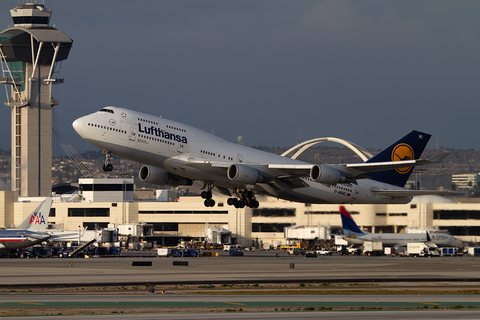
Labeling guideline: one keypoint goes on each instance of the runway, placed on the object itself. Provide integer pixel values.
(260, 267)
(156, 306)
(260, 285)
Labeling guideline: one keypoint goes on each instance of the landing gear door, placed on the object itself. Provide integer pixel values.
(132, 135)
(180, 147)
(355, 192)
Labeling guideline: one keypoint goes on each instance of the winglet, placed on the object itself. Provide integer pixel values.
(439, 158)
(428, 237)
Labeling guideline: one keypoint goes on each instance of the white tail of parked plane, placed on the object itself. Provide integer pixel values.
(37, 220)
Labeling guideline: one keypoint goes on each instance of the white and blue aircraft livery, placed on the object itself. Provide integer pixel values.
(353, 234)
(172, 153)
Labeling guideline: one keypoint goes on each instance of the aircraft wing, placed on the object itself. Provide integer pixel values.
(35, 235)
(288, 176)
(357, 170)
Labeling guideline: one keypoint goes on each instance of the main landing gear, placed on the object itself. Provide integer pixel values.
(207, 195)
(107, 166)
(245, 198)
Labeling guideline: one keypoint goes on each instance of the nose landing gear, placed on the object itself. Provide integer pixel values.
(107, 166)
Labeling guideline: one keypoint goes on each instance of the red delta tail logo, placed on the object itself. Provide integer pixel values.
(37, 218)
(345, 213)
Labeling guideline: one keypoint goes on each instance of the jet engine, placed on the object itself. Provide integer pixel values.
(243, 174)
(328, 175)
(161, 177)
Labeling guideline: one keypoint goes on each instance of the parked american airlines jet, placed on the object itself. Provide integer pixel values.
(175, 154)
(31, 231)
(353, 234)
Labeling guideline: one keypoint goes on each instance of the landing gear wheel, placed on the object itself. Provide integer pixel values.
(107, 167)
(245, 198)
(239, 204)
(206, 194)
(209, 203)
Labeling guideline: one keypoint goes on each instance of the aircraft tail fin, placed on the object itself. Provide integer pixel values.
(348, 224)
(37, 220)
(410, 147)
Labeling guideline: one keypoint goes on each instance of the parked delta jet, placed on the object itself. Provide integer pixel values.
(175, 154)
(353, 234)
(30, 232)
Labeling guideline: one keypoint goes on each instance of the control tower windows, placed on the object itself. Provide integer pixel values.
(30, 20)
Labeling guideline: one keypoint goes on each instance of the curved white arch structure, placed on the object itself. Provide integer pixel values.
(361, 152)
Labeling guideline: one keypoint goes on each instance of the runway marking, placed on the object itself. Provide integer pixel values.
(35, 303)
(434, 303)
(239, 304)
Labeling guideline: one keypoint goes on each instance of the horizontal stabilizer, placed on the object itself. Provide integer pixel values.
(389, 165)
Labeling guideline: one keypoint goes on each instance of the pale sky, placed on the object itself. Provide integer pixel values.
(365, 71)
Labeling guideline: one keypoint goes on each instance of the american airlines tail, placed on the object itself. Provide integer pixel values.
(348, 224)
(409, 147)
(37, 220)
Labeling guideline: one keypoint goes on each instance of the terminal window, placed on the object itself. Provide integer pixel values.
(95, 225)
(89, 212)
(463, 230)
(164, 226)
(329, 212)
(269, 227)
(273, 212)
(182, 212)
(456, 214)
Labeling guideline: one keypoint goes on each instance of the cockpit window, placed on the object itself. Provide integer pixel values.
(107, 110)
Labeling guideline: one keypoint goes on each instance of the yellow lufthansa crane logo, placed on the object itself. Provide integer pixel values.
(403, 152)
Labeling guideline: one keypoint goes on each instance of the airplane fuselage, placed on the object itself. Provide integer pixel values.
(197, 155)
(401, 239)
(18, 239)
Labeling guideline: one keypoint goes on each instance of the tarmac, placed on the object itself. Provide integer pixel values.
(254, 267)
(259, 285)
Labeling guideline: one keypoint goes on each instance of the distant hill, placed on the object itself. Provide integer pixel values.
(430, 177)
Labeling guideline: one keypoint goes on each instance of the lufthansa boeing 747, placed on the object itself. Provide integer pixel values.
(174, 154)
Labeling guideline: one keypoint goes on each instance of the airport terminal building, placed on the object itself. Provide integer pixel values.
(186, 217)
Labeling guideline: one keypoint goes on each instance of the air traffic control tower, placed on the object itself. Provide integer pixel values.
(31, 52)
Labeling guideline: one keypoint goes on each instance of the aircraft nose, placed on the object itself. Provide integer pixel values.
(78, 125)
